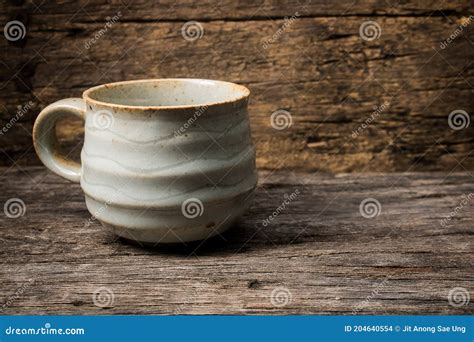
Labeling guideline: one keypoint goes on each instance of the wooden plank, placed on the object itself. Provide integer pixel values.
(319, 251)
(319, 69)
(169, 10)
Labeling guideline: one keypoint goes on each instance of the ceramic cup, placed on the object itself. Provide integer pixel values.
(163, 161)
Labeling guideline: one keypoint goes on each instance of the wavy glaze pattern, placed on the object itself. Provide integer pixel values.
(140, 163)
(239, 126)
(206, 165)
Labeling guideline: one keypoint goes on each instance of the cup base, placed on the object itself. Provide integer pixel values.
(170, 225)
(169, 235)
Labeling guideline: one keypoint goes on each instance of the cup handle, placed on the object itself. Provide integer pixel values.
(46, 142)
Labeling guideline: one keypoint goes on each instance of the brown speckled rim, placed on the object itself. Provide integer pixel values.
(241, 92)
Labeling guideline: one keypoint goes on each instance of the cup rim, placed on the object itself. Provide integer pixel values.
(245, 93)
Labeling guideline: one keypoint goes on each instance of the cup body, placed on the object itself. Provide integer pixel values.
(169, 160)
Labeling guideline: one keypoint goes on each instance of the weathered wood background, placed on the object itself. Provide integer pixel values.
(317, 67)
(319, 254)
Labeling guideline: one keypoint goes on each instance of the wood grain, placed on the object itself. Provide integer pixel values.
(318, 69)
(319, 249)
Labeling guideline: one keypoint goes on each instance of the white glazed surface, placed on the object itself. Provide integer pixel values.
(153, 146)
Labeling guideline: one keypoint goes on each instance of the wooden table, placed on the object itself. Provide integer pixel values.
(319, 255)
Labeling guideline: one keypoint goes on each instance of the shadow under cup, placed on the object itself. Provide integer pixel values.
(167, 161)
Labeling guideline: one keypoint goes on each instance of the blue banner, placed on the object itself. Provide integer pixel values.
(236, 328)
